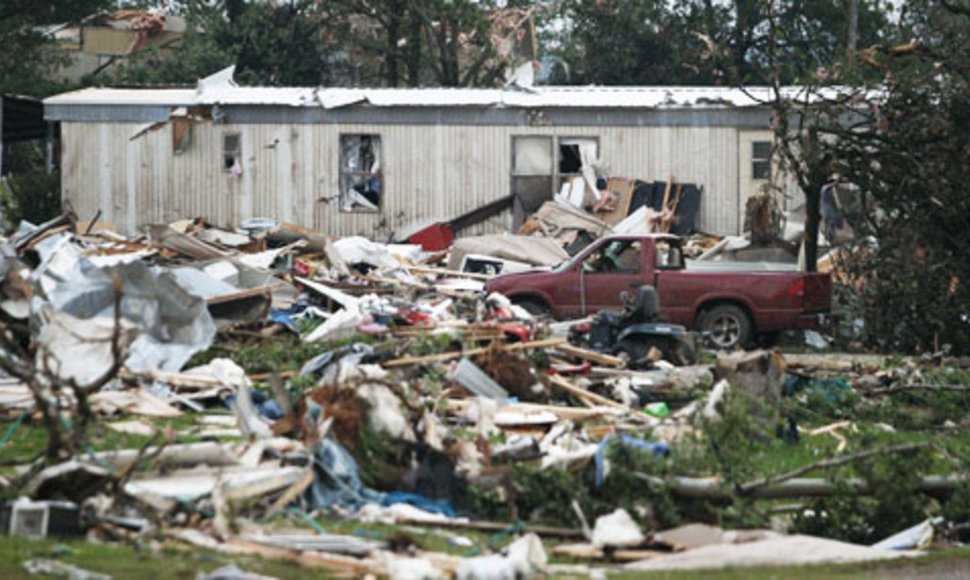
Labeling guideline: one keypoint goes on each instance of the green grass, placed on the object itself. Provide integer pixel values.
(951, 562)
(30, 438)
(168, 561)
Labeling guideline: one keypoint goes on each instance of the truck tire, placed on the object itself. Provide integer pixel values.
(533, 306)
(727, 327)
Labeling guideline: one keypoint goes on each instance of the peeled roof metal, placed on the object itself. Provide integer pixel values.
(595, 97)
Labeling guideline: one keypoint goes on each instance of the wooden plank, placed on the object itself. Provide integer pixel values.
(592, 552)
(673, 210)
(568, 413)
(445, 272)
(670, 182)
(415, 360)
(623, 190)
(293, 492)
(591, 355)
(584, 394)
(305, 558)
(486, 526)
(260, 377)
(238, 295)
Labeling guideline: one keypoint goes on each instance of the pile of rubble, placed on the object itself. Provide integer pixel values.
(421, 388)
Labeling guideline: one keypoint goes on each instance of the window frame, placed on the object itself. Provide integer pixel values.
(342, 172)
(757, 161)
(599, 253)
(557, 175)
(237, 153)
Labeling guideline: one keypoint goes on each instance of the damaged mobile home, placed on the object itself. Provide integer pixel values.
(379, 161)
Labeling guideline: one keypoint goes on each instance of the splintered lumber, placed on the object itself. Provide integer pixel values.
(670, 182)
(445, 272)
(260, 377)
(584, 394)
(593, 552)
(485, 526)
(183, 380)
(568, 413)
(307, 558)
(417, 360)
(591, 355)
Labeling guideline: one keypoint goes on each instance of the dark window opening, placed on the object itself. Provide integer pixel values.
(231, 152)
(361, 184)
(761, 160)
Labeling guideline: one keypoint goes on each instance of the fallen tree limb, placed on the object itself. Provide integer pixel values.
(711, 489)
(749, 487)
(915, 387)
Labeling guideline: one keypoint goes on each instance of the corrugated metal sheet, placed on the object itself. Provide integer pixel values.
(657, 97)
(431, 173)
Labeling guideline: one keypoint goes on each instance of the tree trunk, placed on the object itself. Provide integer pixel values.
(414, 49)
(813, 199)
(391, 50)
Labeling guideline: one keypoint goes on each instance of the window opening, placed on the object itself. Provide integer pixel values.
(616, 257)
(361, 184)
(231, 152)
(761, 159)
(668, 256)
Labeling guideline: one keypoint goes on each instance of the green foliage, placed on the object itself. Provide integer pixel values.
(274, 356)
(631, 42)
(744, 428)
(34, 196)
(853, 518)
(547, 494)
(330, 42)
(380, 459)
(908, 154)
(275, 44)
(27, 53)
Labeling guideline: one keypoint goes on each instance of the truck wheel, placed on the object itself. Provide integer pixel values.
(536, 308)
(727, 326)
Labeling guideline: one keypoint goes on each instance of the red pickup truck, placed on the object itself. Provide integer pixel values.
(732, 305)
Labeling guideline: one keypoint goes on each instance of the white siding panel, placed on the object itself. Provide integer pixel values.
(431, 173)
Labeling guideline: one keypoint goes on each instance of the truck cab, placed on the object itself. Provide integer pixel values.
(730, 304)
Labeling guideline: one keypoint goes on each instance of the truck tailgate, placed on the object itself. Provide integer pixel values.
(817, 293)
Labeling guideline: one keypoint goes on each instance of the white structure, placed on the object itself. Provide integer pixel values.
(374, 161)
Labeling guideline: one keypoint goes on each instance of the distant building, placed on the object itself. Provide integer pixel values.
(103, 40)
(373, 161)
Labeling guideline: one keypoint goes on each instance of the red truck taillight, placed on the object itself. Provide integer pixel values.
(796, 287)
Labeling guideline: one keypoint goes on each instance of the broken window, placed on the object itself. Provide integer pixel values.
(577, 158)
(231, 152)
(761, 160)
(532, 169)
(669, 256)
(360, 173)
(543, 167)
(616, 257)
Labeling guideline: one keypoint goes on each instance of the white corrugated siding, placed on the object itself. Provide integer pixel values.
(431, 172)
